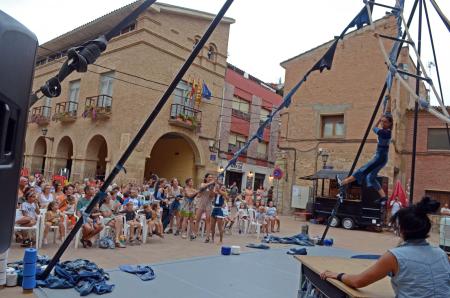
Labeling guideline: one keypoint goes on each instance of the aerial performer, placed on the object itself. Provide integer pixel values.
(370, 170)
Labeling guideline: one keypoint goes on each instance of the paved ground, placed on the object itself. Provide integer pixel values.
(172, 248)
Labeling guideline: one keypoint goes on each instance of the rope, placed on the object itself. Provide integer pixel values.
(393, 67)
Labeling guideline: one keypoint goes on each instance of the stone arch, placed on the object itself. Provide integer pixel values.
(38, 156)
(174, 154)
(96, 157)
(63, 158)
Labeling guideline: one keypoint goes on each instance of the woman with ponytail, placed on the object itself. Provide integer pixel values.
(417, 269)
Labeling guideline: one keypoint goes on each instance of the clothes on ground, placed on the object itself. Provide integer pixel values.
(85, 276)
(144, 272)
(258, 246)
(300, 239)
(297, 251)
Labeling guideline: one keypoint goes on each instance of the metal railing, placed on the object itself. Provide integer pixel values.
(99, 101)
(40, 115)
(67, 109)
(240, 114)
(185, 113)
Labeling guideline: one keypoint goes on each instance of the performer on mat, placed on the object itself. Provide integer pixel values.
(370, 170)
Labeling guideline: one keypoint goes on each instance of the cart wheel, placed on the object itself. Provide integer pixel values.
(348, 223)
(334, 222)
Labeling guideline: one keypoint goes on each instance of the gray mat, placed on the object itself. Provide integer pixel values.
(268, 273)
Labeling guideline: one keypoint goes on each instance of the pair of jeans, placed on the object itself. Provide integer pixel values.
(369, 171)
(145, 273)
(85, 276)
(300, 239)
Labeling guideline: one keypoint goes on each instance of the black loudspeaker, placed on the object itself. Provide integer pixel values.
(17, 56)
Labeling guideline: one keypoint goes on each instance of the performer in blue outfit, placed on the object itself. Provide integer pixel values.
(370, 170)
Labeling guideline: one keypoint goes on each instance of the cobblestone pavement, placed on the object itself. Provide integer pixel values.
(172, 248)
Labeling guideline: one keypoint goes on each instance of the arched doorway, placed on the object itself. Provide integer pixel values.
(173, 155)
(38, 157)
(96, 154)
(63, 160)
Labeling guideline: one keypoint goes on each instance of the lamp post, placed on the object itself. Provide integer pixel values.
(51, 139)
(325, 156)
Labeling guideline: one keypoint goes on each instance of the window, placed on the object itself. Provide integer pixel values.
(263, 116)
(438, 139)
(212, 52)
(236, 142)
(106, 88)
(241, 108)
(74, 93)
(181, 100)
(333, 126)
(47, 106)
(262, 150)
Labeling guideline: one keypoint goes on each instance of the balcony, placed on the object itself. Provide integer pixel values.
(185, 116)
(65, 112)
(98, 107)
(240, 114)
(234, 148)
(40, 115)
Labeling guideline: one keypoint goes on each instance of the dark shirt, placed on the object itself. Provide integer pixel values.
(129, 215)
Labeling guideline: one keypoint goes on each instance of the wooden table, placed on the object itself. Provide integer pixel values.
(312, 266)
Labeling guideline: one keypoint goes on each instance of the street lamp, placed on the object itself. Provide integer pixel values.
(220, 169)
(44, 134)
(250, 174)
(325, 156)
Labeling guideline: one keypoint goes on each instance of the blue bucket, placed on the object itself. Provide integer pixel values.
(226, 250)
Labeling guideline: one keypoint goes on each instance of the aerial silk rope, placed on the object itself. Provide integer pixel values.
(393, 70)
(325, 62)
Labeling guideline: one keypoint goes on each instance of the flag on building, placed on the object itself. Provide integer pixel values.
(206, 93)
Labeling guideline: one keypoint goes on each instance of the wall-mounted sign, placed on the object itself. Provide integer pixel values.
(237, 166)
(278, 173)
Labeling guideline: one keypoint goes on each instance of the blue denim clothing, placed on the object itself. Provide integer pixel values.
(144, 272)
(300, 239)
(370, 170)
(85, 276)
(424, 270)
(258, 246)
(384, 138)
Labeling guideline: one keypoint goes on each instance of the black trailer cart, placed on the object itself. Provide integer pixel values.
(359, 208)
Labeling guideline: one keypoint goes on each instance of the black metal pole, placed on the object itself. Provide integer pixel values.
(120, 164)
(416, 108)
(368, 129)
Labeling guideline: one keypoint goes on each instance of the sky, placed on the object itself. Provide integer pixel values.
(265, 33)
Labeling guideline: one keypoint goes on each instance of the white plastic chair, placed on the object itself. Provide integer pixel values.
(55, 229)
(36, 228)
(254, 223)
(126, 226)
(242, 225)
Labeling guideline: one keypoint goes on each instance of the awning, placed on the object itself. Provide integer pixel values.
(325, 174)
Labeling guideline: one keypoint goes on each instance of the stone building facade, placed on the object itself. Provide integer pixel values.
(98, 113)
(332, 109)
